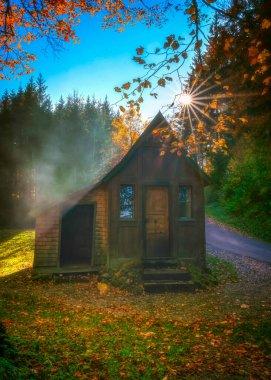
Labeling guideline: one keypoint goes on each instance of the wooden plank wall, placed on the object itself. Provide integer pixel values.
(47, 239)
(99, 196)
(48, 232)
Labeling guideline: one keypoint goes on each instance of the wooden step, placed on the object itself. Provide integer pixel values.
(170, 274)
(168, 286)
(160, 262)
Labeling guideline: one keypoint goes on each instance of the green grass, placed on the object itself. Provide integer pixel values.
(71, 331)
(16, 251)
(251, 226)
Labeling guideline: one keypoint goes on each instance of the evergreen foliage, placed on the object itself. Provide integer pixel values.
(48, 151)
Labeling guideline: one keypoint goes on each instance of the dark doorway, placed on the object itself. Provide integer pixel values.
(157, 222)
(77, 236)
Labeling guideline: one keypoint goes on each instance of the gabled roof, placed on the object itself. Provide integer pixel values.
(158, 122)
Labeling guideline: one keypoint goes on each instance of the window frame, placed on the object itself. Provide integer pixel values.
(127, 219)
(185, 218)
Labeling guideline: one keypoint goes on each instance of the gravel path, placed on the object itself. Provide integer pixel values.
(249, 270)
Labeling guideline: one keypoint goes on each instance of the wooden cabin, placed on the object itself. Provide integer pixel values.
(147, 208)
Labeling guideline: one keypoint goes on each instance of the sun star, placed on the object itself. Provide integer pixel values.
(185, 99)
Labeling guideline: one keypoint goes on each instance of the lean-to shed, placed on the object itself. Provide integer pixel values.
(148, 208)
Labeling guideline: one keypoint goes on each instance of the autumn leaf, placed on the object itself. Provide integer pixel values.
(139, 60)
(266, 24)
(228, 43)
(175, 45)
(184, 54)
(126, 86)
(146, 84)
(267, 81)
(147, 334)
(252, 51)
(122, 108)
(263, 56)
(117, 89)
(140, 50)
(191, 10)
(243, 119)
(198, 44)
(102, 287)
(244, 306)
(169, 40)
(161, 82)
(214, 104)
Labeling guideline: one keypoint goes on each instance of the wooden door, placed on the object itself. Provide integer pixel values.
(77, 236)
(157, 222)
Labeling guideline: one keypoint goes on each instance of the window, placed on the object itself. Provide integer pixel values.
(185, 202)
(127, 200)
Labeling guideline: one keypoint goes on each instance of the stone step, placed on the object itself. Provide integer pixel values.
(170, 274)
(168, 286)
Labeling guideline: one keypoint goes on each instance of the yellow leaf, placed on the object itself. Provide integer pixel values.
(122, 109)
(244, 306)
(263, 55)
(162, 153)
(267, 81)
(243, 119)
(214, 104)
(266, 24)
(102, 287)
(226, 87)
(126, 86)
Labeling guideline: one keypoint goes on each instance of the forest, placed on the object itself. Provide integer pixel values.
(49, 151)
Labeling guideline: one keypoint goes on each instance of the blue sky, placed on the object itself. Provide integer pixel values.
(101, 61)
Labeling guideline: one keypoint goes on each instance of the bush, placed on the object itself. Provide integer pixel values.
(127, 277)
(218, 272)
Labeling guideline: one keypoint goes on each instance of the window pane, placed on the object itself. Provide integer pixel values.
(127, 193)
(185, 202)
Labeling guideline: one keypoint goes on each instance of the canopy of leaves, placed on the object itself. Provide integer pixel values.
(22, 22)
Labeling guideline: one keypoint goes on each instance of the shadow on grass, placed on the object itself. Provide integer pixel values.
(6, 235)
(23, 275)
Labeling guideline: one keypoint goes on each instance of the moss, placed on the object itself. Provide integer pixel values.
(128, 277)
(217, 272)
